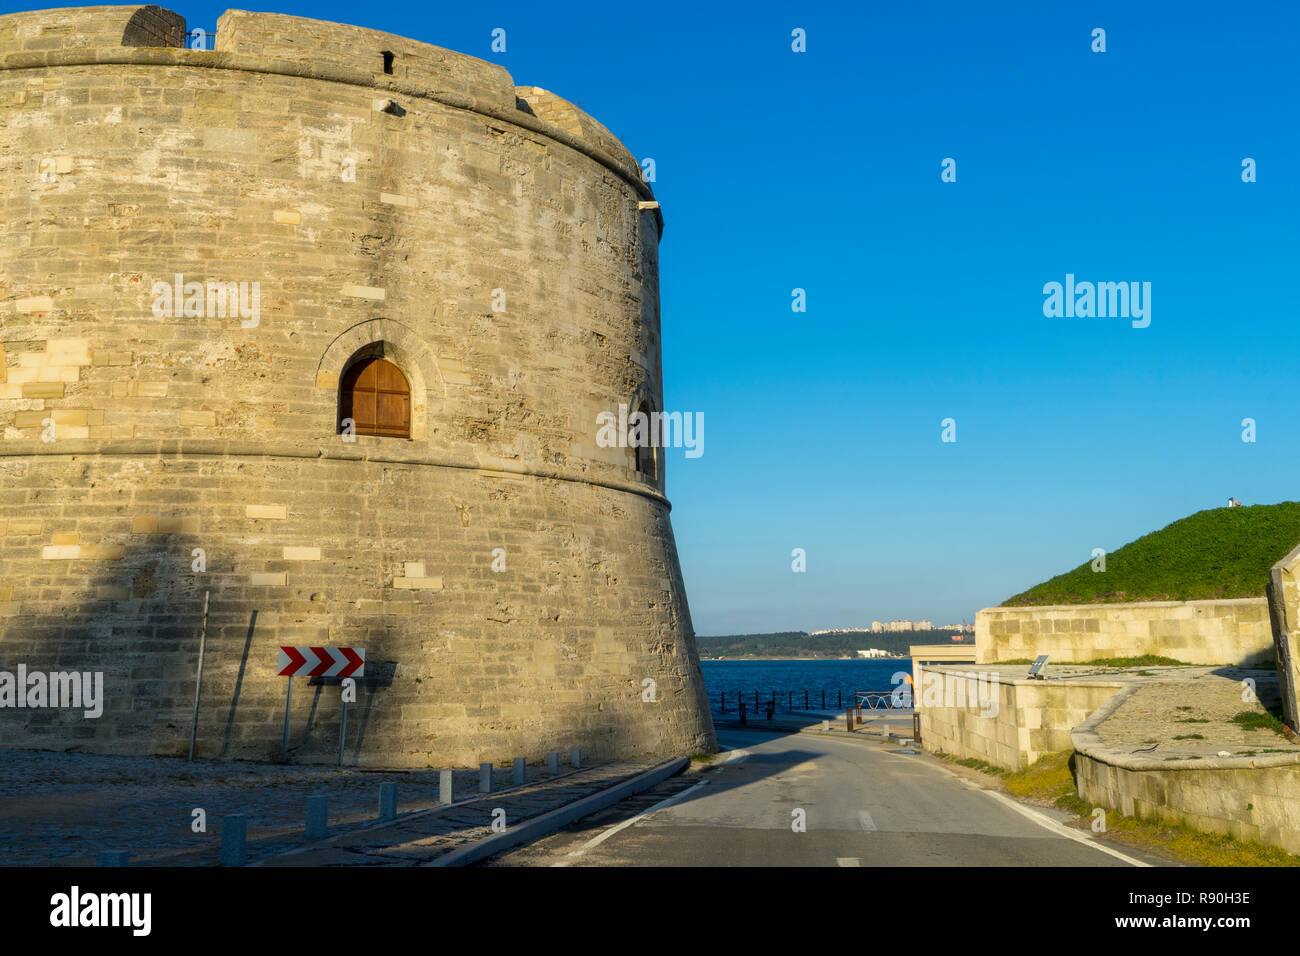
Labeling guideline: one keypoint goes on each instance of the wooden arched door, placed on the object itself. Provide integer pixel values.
(376, 396)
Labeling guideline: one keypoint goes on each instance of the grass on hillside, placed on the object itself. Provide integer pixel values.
(1217, 553)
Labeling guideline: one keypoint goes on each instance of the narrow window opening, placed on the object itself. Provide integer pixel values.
(388, 62)
(645, 452)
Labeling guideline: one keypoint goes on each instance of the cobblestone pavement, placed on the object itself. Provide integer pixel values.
(421, 838)
(1188, 715)
(61, 809)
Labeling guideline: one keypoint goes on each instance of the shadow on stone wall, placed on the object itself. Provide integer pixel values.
(140, 626)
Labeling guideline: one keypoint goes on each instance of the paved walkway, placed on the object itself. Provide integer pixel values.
(417, 839)
(1187, 713)
(60, 809)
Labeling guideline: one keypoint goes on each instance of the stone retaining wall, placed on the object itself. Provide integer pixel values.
(1032, 717)
(1247, 798)
(1233, 631)
(1284, 610)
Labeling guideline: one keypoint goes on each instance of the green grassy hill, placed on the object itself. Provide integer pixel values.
(1219, 553)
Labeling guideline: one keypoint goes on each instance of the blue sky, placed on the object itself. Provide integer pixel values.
(821, 170)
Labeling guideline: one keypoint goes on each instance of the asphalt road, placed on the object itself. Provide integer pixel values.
(859, 805)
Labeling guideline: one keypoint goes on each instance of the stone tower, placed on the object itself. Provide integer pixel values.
(200, 247)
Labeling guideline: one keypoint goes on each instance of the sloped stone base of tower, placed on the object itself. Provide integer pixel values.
(583, 640)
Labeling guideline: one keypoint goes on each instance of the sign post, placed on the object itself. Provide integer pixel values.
(318, 662)
(198, 679)
(284, 739)
(343, 728)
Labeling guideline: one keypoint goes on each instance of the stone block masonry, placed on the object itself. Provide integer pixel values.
(1249, 796)
(1284, 613)
(512, 584)
(1024, 720)
(1231, 631)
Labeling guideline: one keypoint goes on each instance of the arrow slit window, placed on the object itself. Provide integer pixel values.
(645, 449)
(376, 396)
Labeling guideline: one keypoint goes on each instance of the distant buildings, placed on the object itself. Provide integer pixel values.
(896, 627)
(873, 652)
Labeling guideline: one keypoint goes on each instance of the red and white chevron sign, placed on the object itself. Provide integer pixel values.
(322, 662)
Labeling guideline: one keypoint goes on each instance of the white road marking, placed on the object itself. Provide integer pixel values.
(848, 861)
(1042, 820)
(735, 755)
(597, 840)
(864, 818)
(1049, 824)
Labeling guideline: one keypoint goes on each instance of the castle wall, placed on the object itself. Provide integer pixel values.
(1284, 616)
(373, 211)
(1234, 631)
(1008, 722)
(1248, 796)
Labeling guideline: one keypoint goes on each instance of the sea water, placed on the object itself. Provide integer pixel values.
(840, 679)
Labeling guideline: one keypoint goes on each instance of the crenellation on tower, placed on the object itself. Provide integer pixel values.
(311, 49)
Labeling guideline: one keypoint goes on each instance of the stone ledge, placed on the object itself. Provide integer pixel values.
(219, 448)
(1086, 741)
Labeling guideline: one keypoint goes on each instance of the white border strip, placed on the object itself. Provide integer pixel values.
(598, 840)
(1061, 830)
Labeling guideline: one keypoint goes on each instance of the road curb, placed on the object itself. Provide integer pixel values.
(299, 849)
(548, 823)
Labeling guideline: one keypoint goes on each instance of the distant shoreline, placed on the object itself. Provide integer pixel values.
(742, 657)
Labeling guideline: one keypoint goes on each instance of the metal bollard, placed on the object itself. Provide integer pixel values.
(849, 716)
(485, 778)
(521, 771)
(743, 722)
(575, 757)
(317, 817)
(112, 858)
(553, 762)
(234, 830)
(444, 786)
(388, 801)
